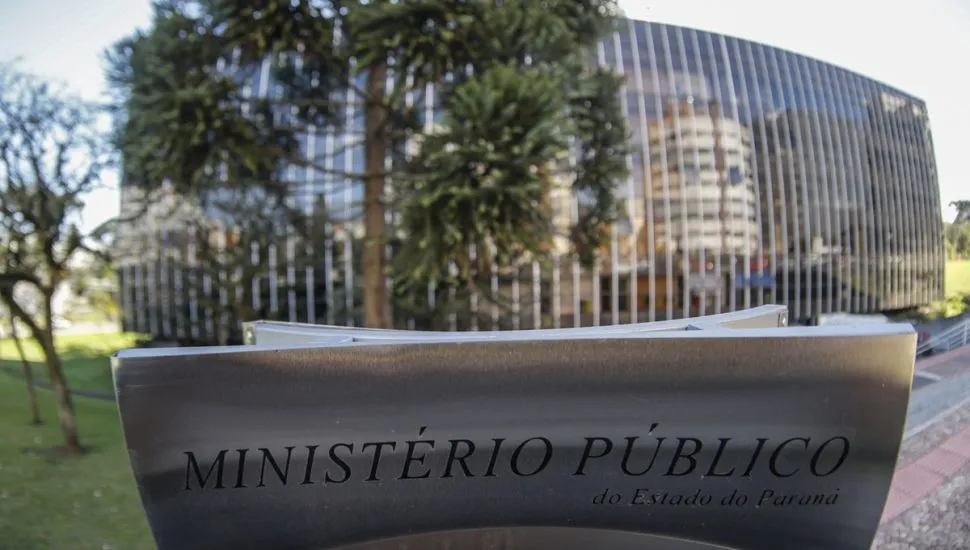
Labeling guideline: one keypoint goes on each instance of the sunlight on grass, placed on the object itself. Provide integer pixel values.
(88, 501)
(957, 277)
(85, 358)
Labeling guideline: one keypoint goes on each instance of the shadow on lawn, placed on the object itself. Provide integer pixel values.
(88, 370)
(53, 455)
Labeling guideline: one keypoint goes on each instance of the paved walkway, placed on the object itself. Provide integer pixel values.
(929, 503)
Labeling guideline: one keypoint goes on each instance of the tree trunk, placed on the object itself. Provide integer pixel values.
(375, 291)
(28, 374)
(65, 406)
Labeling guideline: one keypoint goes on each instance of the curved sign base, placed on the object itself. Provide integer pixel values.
(747, 438)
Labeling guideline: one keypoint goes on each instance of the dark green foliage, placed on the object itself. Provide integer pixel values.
(181, 113)
(299, 37)
(273, 27)
(957, 237)
(957, 234)
(587, 20)
(522, 112)
(427, 39)
(478, 181)
(175, 106)
(526, 104)
(601, 157)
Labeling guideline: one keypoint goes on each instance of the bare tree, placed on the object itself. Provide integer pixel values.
(51, 156)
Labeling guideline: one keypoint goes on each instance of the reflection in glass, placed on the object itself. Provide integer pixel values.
(756, 176)
(769, 177)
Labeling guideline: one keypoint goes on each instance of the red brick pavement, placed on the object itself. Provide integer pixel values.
(915, 481)
(922, 477)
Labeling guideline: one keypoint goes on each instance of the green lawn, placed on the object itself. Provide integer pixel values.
(957, 277)
(87, 317)
(85, 358)
(88, 501)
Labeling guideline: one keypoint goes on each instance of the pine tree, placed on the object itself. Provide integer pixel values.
(514, 82)
(519, 97)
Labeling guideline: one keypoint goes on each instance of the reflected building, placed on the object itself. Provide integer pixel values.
(757, 176)
(771, 177)
(703, 172)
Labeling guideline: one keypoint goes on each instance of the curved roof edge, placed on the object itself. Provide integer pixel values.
(889, 87)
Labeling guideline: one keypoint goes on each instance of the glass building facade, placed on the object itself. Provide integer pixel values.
(757, 176)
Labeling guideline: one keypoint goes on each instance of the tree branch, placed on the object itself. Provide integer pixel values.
(11, 278)
(19, 313)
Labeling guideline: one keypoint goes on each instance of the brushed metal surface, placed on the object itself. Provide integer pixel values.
(281, 333)
(534, 538)
(309, 423)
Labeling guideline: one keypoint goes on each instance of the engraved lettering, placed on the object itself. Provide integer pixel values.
(772, 462)
(490, 472)
(339, 462)
(426, 458)
(411, 458)
(281, 473)
(588, 452)
(628, 452)
(601, 498)
(754, 457)
(771, 498)
(241, 471)
(680, 455)
(643, 497)
(546, 457)
(378, 449)
(311, 453)
(192, 465)
(454, 457)
(813, 466)
(712, 471)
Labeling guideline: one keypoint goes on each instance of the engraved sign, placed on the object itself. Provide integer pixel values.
(722, 436)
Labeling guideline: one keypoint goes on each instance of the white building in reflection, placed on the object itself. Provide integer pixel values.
(757, 176)
(701, 171)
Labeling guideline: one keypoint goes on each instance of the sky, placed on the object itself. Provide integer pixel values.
(906, 44)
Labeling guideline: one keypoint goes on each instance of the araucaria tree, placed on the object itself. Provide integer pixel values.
(521, 108)
(525, 111)
(51, 157)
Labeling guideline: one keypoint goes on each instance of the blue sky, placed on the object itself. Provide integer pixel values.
(903, 43)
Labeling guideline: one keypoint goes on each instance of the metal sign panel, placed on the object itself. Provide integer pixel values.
(278, 333)
(715, 437)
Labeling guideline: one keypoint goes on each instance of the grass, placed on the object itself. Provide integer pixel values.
(87, 501)
(957, 277)
(85, 358)
(87, 317)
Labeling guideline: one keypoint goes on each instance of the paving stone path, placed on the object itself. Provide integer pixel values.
(929, 503)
